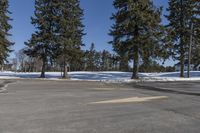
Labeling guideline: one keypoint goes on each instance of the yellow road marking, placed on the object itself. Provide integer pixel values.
(110, 89)
(131, 100)
(104, 89)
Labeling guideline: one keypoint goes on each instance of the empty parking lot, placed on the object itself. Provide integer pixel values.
(35, 106)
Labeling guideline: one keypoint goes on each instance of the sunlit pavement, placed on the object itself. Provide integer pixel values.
(96, 107)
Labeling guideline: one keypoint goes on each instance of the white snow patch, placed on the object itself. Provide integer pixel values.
(107, 76)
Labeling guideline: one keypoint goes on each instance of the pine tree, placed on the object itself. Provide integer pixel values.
(123, 58)
(5, 43)
(90, 58)
(77, 63)
(196, 35)
(70, 32)
(136, 29)
(106, 60)
(97, 60)
(181, 14)
(115, 62)
(122, 55)
(43, 40)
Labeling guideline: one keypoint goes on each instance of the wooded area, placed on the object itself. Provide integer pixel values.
(139, 38)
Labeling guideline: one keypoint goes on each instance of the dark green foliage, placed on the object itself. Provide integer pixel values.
(43, 40)
(5, 44)
(106, 60)
(70, 32)
(59, 33)
(99, 60)
(77, 64)
(196, 35)
(137, 31)
(152, 66)
(116, 64)
(123, 57)
(90, 58)
(181, 14)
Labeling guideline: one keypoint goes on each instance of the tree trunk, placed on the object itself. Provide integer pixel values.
(43, 68)
(190, 50)
(65, 75)
(182, 68)
(136, 55)
(136, 63)
(25, 68)
(182, 50)
(182, 60)
(124, 64)
(61, 71)
(2, 68)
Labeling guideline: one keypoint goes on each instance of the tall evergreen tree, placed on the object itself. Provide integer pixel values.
(97, 60)
(182, 13)
(90, 58)
(5, 43)
(70, 32)
(43, 40)
(136, 29)
(122, 54)
(106, 60)
(196, 35)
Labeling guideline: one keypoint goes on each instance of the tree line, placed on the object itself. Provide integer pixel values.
(90, 60)
(139, 37)
(138, 33)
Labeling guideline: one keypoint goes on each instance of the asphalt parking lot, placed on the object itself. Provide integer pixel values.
(34, 106)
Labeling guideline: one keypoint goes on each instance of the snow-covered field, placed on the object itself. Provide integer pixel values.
(104, 76)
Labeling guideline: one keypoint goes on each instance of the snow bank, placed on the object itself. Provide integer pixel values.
(108, 76)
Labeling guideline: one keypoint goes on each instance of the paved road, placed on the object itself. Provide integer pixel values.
(181, 87)
(72, 107)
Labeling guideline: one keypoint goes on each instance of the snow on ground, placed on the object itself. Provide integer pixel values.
(104, 76)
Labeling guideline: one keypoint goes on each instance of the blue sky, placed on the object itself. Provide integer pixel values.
(96, 21)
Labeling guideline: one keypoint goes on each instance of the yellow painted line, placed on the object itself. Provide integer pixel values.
(131, 100)
(104, 89)
(111, 89)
